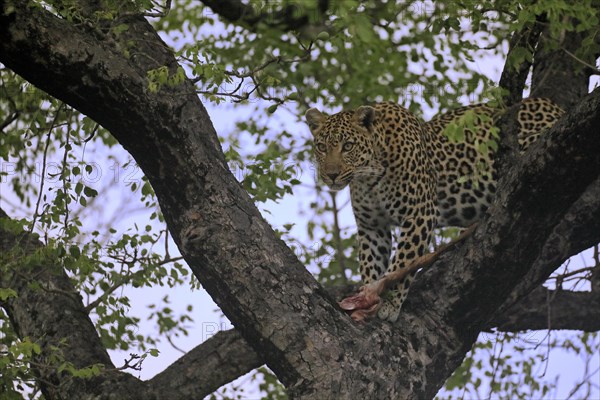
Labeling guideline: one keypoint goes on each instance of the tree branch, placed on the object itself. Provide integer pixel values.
(568, 310)
(558, 76)
(475, 279)
(576, 232)
(552, 309)
(293, 16)
(216, 362)
(513, 79)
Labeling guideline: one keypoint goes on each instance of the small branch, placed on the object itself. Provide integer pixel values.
(560, 278)
(65, 179)
(43, 173)
(593, 68)
(9, 120)
(254, 71)
(253, 75)
(136, 366)
(92, 134)
(175, 346)
(160, 14)
(595, 278)
(124, 280)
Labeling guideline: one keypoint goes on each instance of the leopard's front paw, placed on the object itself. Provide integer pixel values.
(389, 311)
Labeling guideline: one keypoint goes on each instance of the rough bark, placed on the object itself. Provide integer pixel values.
(552, 309)
(557, 74)
(315, 350)
(216, 362)
(567, 238)
(513, 78)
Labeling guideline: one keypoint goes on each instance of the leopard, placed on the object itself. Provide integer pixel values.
(408, 177)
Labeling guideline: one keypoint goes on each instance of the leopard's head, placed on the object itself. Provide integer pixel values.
(344, 145)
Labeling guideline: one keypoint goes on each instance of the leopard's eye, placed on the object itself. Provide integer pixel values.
(347, 146)
(321, 147)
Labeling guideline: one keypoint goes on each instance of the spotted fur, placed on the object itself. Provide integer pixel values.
(408, 174)
(466, 177)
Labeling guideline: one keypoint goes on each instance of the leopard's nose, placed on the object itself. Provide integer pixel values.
(333, 175)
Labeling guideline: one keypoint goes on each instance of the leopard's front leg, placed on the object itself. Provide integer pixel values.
(414, 241)
(374, 249)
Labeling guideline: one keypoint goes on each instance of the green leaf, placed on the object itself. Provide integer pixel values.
(154, 352)
(74, 251)
(5, 294)
(89, 192)
(323, 36)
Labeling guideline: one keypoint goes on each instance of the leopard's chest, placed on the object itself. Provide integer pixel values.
(384, 201)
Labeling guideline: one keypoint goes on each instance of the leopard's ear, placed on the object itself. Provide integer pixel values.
(314, 119)
(365, 116)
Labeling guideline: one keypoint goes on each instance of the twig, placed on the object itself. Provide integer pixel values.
(40, 194)
(592, 67)
(252, 74)
(9, 120)
(560, 278)
(174, 346)
(87, 139)
(124, 280)
(160, 14)
(496, 364)
(65, 179)
(137, 366)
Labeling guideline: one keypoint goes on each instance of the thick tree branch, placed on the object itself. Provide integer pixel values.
(558, 76)
(293, 16)
(513, 78)
(552, 309)
(541, 309)
(570, 236)
(478, 277)
(216, 362)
